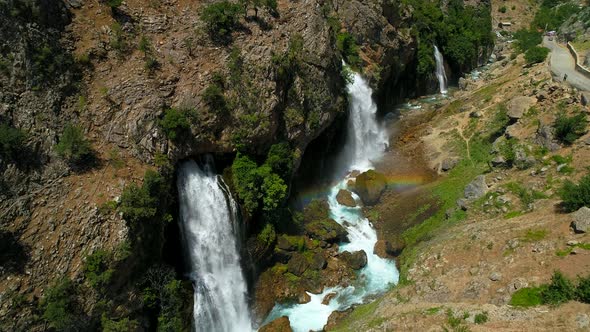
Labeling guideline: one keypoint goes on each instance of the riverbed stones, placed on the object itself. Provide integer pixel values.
(356, 260)
(281, 324)
(344, 197)
(581, 220)
(370, 185)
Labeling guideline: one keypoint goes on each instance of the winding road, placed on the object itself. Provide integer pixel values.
(562, 63)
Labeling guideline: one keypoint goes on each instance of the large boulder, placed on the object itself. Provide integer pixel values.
(356, 260)
(344, 197)
(388, 249)
(319, 226)
(581, 220)
(298, 264)
(281, 324)
(518, 106)
(477, 188)
(370, 185)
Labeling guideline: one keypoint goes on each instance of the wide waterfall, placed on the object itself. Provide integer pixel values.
(209, 224)
(441, 75)
(367, 141)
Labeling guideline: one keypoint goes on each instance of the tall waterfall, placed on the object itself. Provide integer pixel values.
(441, 75)
(366, 143)
(209, 218)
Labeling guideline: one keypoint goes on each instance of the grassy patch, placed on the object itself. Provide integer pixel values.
(534, 235)
(527, 297)
(513, 214)
(361, 313)
(568, 250)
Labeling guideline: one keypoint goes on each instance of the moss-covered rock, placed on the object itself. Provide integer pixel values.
(356, 260)
(344, 197)
(370, 185)
(319, 226)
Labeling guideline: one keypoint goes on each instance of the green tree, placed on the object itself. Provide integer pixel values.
(175, 123)
(97, 270)
(59, 305)
(536, 54)
(221, 18)
(246, 181)
(11, 141)
(72, 145)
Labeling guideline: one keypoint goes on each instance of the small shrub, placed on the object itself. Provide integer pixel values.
(73, 146)
(96, 269)
(481, 318)
(59, 305)
(502, 9)
(575, 196)
(121, 325)
(113, 3)
(583, 289)
(175, 123)
(215, 99)
(527, 297)
(569, 129)
(560, 290)
(267, 235)
(221, 18)
(536, 54)
(141, 203)
(118, 39)
(348, 48)
(11, 141)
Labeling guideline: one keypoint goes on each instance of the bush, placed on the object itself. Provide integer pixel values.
(122, 325)
(280, 159)
(536, 54)
(502, 9)
(481, 318)
(527, 39)
(287, 65)
(11, 141)
(141, 203)
(175, 123)
(221, 18)
(246, 181)
(583, 289)
(575, 196)
(215, 99)
(346, 44)
(560, 290)
(96, 269)
(59, 305)
(569, 129)
(73, 146)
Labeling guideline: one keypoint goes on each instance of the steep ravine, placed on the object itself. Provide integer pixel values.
(80, 64)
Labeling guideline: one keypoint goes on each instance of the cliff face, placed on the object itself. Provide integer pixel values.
(114, 73)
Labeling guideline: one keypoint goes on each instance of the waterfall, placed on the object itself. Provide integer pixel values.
(366, 143)
(209, 225)
(440, 71)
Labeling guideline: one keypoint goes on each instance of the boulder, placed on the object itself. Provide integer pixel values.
(448, 164)
(335, 318)
(304, 298)
(344, 197)
(370, 185)
(317, 261)
(463, 83)
(498, 161)
(477, 188)
(326, 300)
(518, 106)
(298, 264)
(326, 230)
(356, 260)
(281, 324)
(581, 220)
(387, 249)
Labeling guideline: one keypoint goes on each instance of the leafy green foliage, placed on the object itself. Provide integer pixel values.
(221, 18)
(96, 269)
(569, 129)
(267, 235)
(287, 65)
(215, 99)
(263, 186)
(72, 145)
(113, 3)
(348, 48)
(121, 325)
(141, 202)
(536, 54)
(481, 318)
(59, 305)
(175, 123)
(502, 9)
(527, 39)
(575, 196)
(552, 14)
(527, 297)
(11, 141)
(583, 289)
(560, 290)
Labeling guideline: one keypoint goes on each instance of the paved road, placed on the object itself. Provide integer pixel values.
(562, 63)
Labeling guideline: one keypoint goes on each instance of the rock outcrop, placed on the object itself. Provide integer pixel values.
(370, 185)
(344, 197)
(581, 220)
(281, 324)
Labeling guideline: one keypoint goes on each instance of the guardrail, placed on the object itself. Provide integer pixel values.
(583, 70)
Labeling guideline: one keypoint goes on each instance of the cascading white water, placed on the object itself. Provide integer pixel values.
(366, 143)
(209, 218)
(441, 75)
